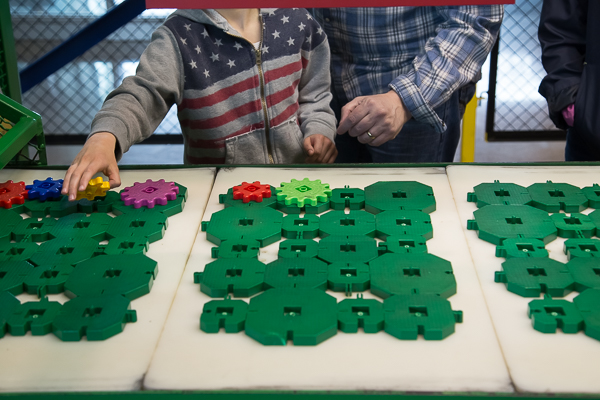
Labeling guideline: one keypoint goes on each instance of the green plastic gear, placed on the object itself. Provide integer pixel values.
(304, 192)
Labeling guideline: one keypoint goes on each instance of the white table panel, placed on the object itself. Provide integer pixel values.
(538, 362)
(45, 363)
(469, 360)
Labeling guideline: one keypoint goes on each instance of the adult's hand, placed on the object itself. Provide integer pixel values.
(375, 119)
(320, 150)
(97, 155)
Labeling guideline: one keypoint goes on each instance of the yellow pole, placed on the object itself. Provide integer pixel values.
(467, 152)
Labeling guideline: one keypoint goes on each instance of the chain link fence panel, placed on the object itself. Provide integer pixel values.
(519, 106)
(68, 99)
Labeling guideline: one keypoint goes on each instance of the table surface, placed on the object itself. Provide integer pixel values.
(45, 363)
(494, 350)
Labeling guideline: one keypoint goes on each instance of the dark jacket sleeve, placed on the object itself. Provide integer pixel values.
(562, 34)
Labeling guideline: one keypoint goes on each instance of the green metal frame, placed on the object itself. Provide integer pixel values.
(10, 84)
(27, 131)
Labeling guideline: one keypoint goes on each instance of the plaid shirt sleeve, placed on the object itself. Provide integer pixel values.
(450, 60)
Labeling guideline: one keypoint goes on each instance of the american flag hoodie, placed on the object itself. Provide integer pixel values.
(236, 104)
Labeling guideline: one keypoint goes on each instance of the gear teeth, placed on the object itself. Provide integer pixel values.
(304, 192)
(12, 193)
(149, 193)
(248, 192)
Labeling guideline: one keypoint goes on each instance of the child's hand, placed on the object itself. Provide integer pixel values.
(320, 150)
(97, 155)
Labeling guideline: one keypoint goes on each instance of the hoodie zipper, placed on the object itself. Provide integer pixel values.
(261, 76)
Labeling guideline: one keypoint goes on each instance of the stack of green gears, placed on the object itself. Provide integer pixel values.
(93, 251)
(288, 297)
(521, 221)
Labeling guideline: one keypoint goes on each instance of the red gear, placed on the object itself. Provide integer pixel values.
(12, 193)
(251, 192)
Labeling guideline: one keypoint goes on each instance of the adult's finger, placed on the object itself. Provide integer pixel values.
(352, 113)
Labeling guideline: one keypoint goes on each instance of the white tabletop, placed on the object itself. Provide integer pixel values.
(469, 360)
(45, 363)
(538, 362)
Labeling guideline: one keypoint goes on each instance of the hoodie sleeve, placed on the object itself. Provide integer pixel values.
(562, 35)
(314, 95)
(133, 111)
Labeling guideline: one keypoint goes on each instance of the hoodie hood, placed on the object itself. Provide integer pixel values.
(210, 16)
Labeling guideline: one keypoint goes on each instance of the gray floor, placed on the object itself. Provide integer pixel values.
(484, 151)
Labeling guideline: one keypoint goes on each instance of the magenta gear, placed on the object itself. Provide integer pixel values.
(149, 193)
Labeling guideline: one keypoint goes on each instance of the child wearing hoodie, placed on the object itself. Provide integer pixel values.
(251, 87)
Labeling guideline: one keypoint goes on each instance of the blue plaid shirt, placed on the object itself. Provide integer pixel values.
(423, 53)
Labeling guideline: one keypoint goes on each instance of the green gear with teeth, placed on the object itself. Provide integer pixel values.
(304, 192)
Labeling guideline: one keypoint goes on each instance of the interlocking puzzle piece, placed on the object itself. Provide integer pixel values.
(408, 316)
(338, 223)
(138, 224)
(8, 303)
(248, 192)
(242, 277)
(128, 275)
(588, 304)
(485, 194)
(96, 187)
(34, 230)
(595, 217)
(553, 197)
(229, 201)
(296, 273)
(94, 226)
(575, 225)
(54, 207)
(102, 204)
(12, 276)
(12, 193)
(399, 195)
(400, 274)
(65, 250)
(401, 222)
(361, 249)
(352, 198)
(298, 248)
(34, 316)
(593, 195)
(149, 193)
(360, 313)
(529, 277)
(9, 219)
(44, 190)
(21, 251)
(237, 248)
(261, 224)
(173, 207)
(319, 208)
(585, 273)
(304, 192)
(582, 248)
(498, 223)
(97, 317)
(228, 314)
(48, 279)
(348, 277)
(403, 244)
(125, 245)
(521, 248)
(297, 227)
(304, 316)
(547, 315)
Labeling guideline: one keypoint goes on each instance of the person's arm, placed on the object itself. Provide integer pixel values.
(130, 113)
(562, 34)
(317, 120)
(451, 59)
